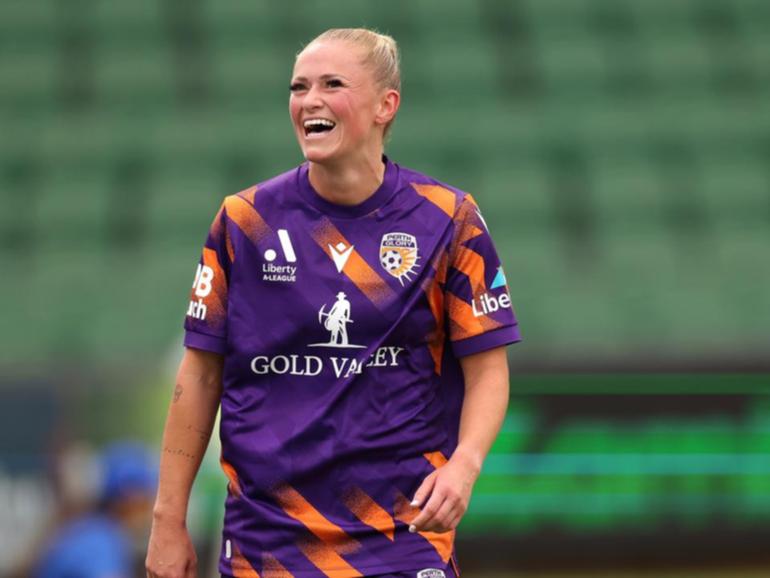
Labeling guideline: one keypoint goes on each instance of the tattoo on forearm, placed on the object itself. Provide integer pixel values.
(202, 435)
(177, 392)
(179, 452)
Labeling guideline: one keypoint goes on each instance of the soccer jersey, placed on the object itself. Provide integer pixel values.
(342, 328)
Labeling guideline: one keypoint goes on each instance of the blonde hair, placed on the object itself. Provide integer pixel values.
(381, 55)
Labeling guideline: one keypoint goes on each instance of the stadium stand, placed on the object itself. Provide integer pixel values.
(618, 149)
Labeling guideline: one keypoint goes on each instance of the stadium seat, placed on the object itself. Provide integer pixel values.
(614, 148)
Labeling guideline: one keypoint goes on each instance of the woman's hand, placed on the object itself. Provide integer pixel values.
(448, 492)
(170, 553)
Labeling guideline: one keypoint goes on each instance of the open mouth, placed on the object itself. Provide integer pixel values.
(318, 126)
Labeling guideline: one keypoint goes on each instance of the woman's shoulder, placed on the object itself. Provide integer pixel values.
(447, 196)
(270, 188)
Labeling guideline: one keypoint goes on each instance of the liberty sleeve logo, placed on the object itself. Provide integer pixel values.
(336, 321)
(398, 255)
(487, 303)
(499, 280)
(204, 275)
(281, 273)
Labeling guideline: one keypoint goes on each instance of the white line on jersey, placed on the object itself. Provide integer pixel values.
(288, 249)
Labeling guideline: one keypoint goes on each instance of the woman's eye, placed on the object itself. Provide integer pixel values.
(295, 86)
(334, 83)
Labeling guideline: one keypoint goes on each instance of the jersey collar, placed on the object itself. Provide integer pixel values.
(374, 201)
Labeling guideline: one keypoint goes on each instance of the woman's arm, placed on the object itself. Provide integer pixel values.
(191, 416)
(448, 489)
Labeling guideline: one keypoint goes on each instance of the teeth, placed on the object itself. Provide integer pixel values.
(318, 122)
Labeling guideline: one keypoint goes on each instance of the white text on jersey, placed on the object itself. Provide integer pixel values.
(486, 304)
(204, 276)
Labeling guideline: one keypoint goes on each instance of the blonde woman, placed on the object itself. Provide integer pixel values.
(351, 457)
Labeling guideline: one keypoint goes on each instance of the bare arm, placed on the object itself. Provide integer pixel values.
(448, 489)
(190, 418)
(485, 404)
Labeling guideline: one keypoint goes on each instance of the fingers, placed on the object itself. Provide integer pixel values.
(444, 508)
(427, 513)
(441, 520)
(425, 489)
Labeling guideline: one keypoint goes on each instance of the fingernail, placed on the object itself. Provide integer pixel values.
(414, 502)
(412, 528)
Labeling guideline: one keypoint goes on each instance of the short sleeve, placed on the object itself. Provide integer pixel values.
(205, 324)
(478, 304)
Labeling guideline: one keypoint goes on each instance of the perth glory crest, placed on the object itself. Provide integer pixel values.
(398, 255)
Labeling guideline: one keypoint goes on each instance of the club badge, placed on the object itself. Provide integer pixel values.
(398, 255)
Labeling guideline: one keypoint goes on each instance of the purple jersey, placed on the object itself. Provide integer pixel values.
(341, 328)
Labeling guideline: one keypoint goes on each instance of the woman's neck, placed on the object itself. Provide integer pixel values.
(348, 183)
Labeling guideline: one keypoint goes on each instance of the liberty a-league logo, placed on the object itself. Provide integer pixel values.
(398, 255)
(280, 273)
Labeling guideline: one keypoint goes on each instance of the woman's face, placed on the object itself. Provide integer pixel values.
(335, 105)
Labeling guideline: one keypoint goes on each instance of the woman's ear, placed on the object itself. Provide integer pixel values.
(388, 106)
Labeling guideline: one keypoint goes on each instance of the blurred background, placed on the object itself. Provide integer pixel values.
(620, 152)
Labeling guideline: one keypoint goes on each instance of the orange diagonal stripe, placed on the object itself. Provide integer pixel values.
(436, 339)
(467, 225)
(327, 531)
(232, 476)
(441, 264)
(242, 568)
(370, 512)
(472, 264)
(443, 198)
(464, 322)
(325, 234)
(461, 314)
(246, 217)
(468, 233)
(248, 194)
(327, 560)
(436, 459)
(442, 542)
(272, 568)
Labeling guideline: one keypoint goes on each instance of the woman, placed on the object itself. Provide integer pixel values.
(350, 317)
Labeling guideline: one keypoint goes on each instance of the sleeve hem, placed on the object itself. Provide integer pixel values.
(206, 342)
(489, 340)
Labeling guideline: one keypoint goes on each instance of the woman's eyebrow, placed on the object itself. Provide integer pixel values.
(322, 77)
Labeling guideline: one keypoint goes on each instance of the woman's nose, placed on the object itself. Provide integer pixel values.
(312, 98)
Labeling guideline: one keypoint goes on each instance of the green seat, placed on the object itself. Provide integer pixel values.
(627, 193)
(74, 204)
(131, 78)
(181, 206)
(734, 188)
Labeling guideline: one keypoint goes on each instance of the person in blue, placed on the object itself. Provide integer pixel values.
(100, 543)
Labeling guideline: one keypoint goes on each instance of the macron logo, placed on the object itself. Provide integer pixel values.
(340, 254)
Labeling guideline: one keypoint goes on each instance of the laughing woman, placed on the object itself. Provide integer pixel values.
(350, 318)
